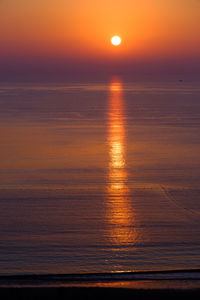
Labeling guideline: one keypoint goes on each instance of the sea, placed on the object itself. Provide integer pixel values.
(99, 177)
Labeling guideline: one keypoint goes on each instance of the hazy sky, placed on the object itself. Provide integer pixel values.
(73, 36)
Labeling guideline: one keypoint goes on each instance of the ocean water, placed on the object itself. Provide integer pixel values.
(99, 177)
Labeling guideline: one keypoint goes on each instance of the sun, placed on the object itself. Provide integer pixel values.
(116, 40)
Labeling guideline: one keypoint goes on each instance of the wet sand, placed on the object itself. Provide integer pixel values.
(94, 293)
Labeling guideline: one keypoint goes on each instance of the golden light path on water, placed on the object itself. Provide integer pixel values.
(120, 213)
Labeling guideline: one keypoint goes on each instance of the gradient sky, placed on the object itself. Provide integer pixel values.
(73, 36)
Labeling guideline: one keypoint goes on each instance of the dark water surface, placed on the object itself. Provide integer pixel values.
(99, 177)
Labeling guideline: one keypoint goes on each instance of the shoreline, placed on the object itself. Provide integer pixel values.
(144, 280)
(150, 274)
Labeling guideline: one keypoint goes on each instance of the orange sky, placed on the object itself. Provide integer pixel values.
(80, 30)
(83, 27)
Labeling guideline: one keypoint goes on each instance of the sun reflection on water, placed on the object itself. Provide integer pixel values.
(120, 215)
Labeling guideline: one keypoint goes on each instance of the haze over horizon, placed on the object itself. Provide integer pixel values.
(71, 39)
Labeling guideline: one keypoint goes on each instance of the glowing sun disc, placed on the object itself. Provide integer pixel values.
(116, 40)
